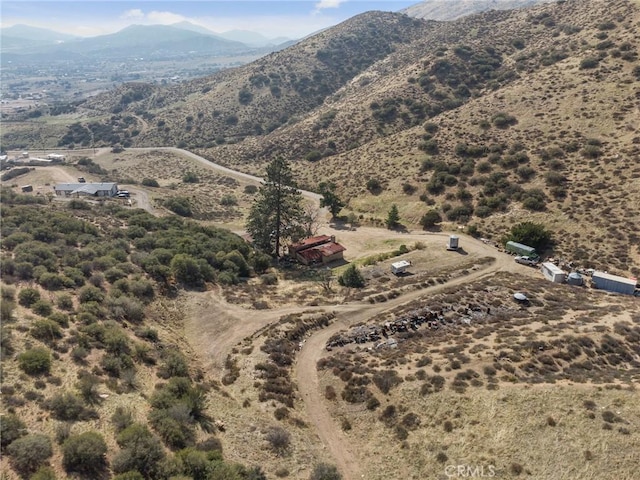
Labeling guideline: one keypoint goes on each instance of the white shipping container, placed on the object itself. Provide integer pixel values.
(613, 283)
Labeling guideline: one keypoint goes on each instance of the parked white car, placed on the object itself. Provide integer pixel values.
(526, 260)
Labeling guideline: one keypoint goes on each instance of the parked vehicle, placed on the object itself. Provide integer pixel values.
(123, 194)
(520, 249)
(526, 260)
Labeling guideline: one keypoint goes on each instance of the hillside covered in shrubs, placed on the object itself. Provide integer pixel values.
(491, 118)
(93, 382)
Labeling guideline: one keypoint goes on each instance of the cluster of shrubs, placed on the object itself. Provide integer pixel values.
(64, 250)
(275, 372)
(497, 188)
(15, 172)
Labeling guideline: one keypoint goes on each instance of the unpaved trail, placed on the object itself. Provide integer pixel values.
(306, 372)
(213, 326)
(140, 199)
(215, 166)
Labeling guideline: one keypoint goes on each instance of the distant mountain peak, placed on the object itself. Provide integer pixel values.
(36, 33)
(185, 25)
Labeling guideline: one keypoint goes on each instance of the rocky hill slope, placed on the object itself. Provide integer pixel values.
(494, 117)
(454, 9)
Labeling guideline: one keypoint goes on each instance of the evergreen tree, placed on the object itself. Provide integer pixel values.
(393, 218)
(430, 219)
(529, 233)
(276, 213)
(351, 277)
(330, 199)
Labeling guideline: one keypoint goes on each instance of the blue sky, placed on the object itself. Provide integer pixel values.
(293, 18)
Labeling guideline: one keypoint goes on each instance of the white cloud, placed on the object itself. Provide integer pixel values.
(133, 13)
(153, 17)
(165, 18)
(323, 4)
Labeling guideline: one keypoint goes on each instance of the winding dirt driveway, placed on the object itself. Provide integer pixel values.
(220, 168)
(306, 372)
(214, 326)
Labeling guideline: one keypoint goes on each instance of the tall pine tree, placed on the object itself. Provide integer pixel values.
(393, 217)
(276, 213)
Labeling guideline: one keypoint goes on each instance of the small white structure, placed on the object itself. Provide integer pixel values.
(400, 267)
(56, 157)
(613, 283)
(553, 272)
(452, 244)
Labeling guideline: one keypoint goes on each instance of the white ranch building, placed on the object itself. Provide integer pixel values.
(109, 189)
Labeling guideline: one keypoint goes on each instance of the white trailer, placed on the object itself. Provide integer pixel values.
(553, 272)
(452, 244)
(400, 267)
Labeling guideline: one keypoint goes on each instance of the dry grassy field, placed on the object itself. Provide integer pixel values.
(544, 390)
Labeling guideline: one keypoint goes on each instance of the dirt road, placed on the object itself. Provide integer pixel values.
(214, 327)
(227, 171)
(306, 372)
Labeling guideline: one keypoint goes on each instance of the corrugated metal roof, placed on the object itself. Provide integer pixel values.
(311, 241)
(331, 249)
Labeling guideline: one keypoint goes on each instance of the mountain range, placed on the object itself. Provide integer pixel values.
(489, 119)
(135, 40)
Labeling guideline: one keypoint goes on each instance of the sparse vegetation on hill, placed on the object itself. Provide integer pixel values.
(511, 125)
(361, 106)
(80, 334)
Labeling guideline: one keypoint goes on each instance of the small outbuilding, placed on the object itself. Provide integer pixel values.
(26, 188)
(553, 272)
(613, 283)
(400, 267)
(453, 244)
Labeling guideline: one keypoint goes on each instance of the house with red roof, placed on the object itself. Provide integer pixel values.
(321, 249)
